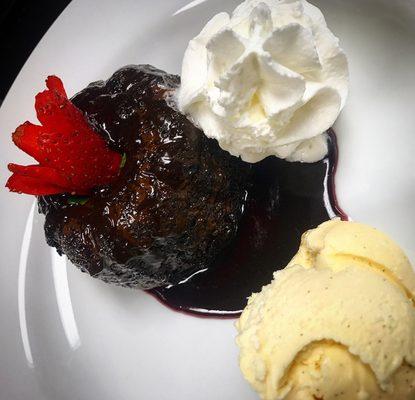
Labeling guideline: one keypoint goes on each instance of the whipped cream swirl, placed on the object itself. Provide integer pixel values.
(268, 80)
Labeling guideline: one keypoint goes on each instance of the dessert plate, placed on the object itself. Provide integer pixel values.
(65, 335)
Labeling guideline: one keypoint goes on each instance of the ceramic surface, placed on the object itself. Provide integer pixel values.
(66, 336)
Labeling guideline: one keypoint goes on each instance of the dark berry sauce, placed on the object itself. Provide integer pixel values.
(181, 204)
(286, 200)
(177, 202)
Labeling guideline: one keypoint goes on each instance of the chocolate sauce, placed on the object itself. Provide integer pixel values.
(178, 199)
(287, 199)
(185, 217)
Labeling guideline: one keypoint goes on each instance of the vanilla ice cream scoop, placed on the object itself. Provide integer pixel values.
(330, 371)
(341, 326)
(268, 80)
(337, 244)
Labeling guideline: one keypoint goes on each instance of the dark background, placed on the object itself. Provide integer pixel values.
(22, 24)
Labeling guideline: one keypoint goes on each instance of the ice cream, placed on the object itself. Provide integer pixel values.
(268, 80)
(337, 323)
(329, 371)
(337, 244)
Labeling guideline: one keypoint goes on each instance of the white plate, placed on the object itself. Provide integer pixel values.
(67, 336)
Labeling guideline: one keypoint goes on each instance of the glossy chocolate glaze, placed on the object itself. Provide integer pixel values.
(176, 203)
(286, 200)
(206, 228)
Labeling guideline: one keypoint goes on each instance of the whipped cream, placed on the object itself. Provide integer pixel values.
(268, 80)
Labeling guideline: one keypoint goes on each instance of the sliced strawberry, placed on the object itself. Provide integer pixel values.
(54, 109)
(71, 155)
(28, 185)
(26, 138)
(55, 84)
(46, 174)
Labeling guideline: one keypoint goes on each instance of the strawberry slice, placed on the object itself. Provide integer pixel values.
(72, 157)
(29, 185)
(40, 172)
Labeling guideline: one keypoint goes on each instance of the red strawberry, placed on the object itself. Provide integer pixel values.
(72, 157)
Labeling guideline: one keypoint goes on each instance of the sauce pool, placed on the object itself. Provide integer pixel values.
(287, 199)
